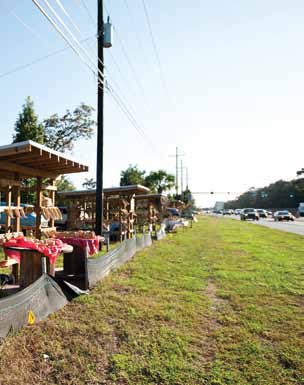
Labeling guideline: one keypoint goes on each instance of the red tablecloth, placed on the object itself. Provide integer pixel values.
(51, 252)
(92, 243)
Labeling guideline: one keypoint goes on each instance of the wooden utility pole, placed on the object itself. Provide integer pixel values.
(100, 121)
(182, 176)
(187, 179)
(176, 156)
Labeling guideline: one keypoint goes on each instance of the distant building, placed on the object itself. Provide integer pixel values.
(219, 205)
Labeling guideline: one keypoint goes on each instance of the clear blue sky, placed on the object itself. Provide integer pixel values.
(233, 69)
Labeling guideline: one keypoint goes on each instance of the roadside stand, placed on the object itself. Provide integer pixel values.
(37, 254)
(119, 210)
(150, 210)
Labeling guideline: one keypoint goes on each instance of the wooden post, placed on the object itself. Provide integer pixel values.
(38, 207)
(18, 203)
(8, 198)
(53, 194)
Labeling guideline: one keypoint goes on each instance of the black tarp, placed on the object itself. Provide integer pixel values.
(33, 303)
(100, 267)
(45, 296)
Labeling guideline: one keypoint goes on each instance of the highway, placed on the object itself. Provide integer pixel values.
(296, 227)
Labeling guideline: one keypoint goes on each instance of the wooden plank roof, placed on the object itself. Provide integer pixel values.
(31, 159)
(121, 190)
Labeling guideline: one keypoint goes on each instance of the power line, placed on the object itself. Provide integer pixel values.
(78, 30)
(137, 35)
(123, 103)
(38, 60)
(88, 11)
(67, 15)
(138, 82)
(129, 115)
(70, 32)
(53, 23)
(25, 25)
(155, 49)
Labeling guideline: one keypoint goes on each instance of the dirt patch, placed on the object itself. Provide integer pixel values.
(215, 301)
(125, 274)
(209, 326)
(121, 289)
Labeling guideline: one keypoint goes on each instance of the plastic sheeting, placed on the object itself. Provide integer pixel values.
(160, 234)
(98, 268)
(144, 241)
(45, 296)
(30, 305)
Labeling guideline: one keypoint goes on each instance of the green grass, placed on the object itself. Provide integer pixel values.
(219, 304)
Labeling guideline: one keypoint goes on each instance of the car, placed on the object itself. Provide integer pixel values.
(262, 213)
(249, 214)
(283, 215)
(237, 211)
(269, 213)
(227, 212)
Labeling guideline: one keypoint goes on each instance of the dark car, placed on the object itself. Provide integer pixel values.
(249, 214)
(262, 213)
(283, 215)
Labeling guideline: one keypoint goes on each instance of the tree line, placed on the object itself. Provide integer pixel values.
(280, 194)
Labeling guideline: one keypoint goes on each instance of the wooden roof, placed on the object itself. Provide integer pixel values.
(152, 197)
(110, 191)
(31, 159)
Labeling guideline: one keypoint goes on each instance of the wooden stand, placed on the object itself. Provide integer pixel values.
(31, 267)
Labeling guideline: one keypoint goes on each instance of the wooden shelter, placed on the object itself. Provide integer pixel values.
(23, 160)
(150, 209)
(119, 208)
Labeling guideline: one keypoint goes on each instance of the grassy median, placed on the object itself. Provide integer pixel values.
(221, 303)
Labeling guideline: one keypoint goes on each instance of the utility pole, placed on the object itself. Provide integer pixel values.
(176, 156)
(100, 120)
(182, 176)
(187, 179)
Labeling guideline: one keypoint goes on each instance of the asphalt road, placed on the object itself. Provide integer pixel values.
(296, 227)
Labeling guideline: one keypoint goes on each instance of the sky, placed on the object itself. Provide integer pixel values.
(225, 85)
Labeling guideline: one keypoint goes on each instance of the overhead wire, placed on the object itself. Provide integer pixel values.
(138, 82)
(155, 49)
(122, 104)
(67, 15)
(40, 59)
(68, 30)
(88, 11)
(130, 116)
(62, 34)
(122, 99)
(136, 35)
(21, 21)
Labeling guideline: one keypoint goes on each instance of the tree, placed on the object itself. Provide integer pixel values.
(159, 181)
(62, 132)
(281, 194)
(89, 184)
(132, 175)
(64, 184)
(187, 197)
(27, 126)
